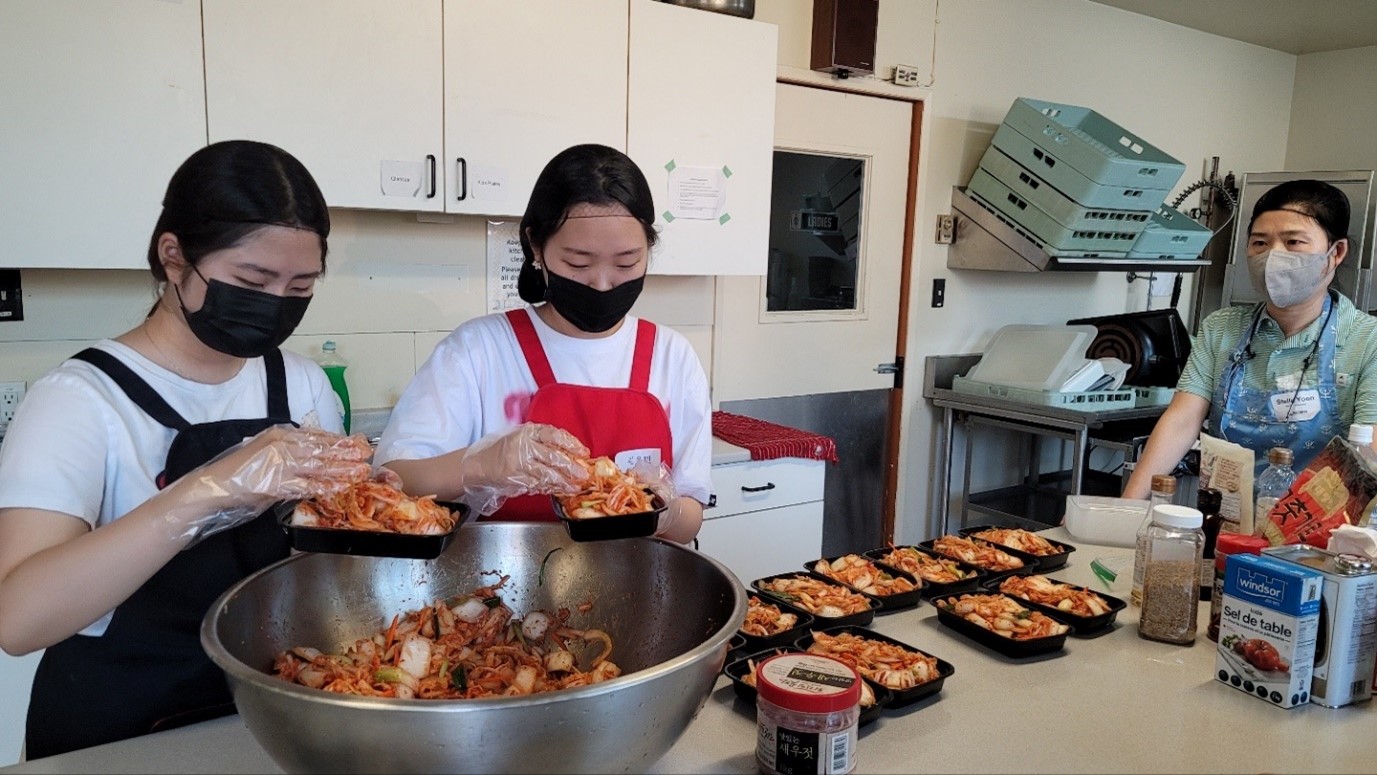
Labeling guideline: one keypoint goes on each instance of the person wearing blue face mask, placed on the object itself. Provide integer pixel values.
(1293, 371)
(136, 477)
(507, 405)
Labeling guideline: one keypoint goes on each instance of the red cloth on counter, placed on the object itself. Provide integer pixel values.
(766, 440)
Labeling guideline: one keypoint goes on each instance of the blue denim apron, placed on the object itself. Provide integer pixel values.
(1246, 415)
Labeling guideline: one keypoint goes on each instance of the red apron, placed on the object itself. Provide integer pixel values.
(609, 420)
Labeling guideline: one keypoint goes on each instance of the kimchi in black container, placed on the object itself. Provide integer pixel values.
(738, 670)
(888, 603)
(975, 575)
(1039, 561)
(859, 618)
(368, 543)
(990, 573)
(1080, 625)
(1006, 646)
(638, 525)
(902, 697)
(783, 637)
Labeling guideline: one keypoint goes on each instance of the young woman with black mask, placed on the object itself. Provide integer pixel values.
(505, 404)
(135, 477)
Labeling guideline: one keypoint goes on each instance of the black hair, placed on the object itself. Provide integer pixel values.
(581, 174)
(227, 191)
(1320, 201)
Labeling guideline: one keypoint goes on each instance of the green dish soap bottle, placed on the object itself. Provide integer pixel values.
(334, 366)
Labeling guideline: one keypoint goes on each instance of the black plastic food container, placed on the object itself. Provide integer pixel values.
(1080, 625)
(368, 543)
(638, 525)
(861, 618)
(902, 697)
(1006, 646)
(990, 573)
(888, 603)
(783, 637)
(933, 589)
(1040, 561)
(737, 671)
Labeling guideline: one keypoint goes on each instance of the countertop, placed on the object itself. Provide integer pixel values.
(1115, 703)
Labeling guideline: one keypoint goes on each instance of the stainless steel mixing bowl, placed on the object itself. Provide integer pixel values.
(670, 612)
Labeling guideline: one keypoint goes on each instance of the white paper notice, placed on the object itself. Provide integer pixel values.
(504, 264)
(697, 192)
(401, 178)
(488, 184)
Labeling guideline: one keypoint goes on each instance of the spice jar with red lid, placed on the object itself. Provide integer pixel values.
(807, 708)
(1225, 544)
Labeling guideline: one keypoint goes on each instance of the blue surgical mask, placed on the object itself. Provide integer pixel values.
(1286, 278)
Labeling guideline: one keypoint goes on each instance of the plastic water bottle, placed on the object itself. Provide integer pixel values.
(334, 366)
(1272, 484)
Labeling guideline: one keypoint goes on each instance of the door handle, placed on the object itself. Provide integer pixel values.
(430, 160)
(461, 171)
(766, 486)
(887, 368)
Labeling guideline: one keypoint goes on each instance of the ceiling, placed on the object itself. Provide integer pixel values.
(1294, 26)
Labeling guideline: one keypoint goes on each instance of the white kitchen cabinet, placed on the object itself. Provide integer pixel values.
(768, 517)
(525, 79)
(99, 103)
(700, 114)
(352, 88)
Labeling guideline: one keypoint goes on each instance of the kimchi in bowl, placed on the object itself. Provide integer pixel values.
(670, 612)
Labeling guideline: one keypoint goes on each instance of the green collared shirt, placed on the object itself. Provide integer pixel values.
(1278, 358)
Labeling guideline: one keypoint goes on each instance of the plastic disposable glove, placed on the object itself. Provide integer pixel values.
(530, 459)
(280, 463)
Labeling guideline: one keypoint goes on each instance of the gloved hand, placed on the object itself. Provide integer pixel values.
(532, 458)
(280, 463)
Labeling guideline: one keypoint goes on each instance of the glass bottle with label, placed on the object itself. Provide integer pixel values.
(1209, 501)
(1272, 484)
(1163, 491)
(1171, 583)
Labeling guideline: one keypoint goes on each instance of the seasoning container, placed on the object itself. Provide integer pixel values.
(1226, 544)
(1209, 501)
(807, 708)
(1163, 491)
(1171, 586)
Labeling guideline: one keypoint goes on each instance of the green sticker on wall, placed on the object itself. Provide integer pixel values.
(669, 217)
(669, 167)
(723, 220)
(726, 171)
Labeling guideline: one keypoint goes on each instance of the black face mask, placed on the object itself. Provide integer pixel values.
(588, 308)
(243, 322)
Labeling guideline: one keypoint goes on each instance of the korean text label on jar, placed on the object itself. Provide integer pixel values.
(1171, 586)
(807, 708)
(1226, 544)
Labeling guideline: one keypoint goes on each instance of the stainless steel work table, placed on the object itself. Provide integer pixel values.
(1072, 425)
(1115, 703)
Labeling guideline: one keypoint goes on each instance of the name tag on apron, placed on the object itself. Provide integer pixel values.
(630, 458)
(1296, 407)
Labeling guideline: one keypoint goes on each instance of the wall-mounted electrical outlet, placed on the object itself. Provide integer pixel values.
(946, 229)
(905, 75)
(11, 393)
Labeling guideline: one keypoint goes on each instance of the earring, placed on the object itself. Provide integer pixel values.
(536, 265)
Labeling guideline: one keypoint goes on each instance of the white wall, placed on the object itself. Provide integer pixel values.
(1334, 111)
(1192, 94)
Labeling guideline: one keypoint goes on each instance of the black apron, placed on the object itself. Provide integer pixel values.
(148, 671)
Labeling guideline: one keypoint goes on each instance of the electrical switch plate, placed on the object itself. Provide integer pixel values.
(946, 229)
(905, 75)
(939, 292)
(11, 393)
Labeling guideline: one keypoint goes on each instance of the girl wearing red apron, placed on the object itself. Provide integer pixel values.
(502, 411)
(120, 519)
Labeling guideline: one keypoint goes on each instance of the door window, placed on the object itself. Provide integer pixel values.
(815, 228)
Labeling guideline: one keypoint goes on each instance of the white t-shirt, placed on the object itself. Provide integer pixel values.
(476, 383)
(80, 446)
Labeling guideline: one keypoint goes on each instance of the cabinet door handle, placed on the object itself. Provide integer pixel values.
(767, 486)
(461, 170)
(430, 159)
